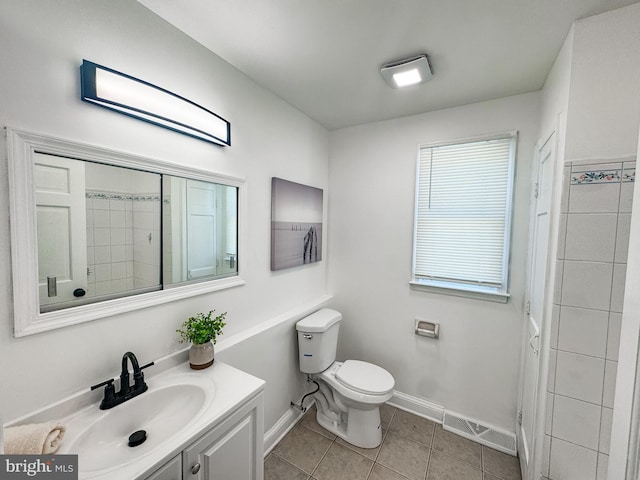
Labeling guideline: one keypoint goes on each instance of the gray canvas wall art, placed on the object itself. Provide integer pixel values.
(296, 224)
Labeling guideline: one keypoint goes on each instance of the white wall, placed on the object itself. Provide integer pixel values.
(43, 44)
(604, 103)
(555, 97)
(472, 368)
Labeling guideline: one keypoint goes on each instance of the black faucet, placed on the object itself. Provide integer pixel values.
(127, 391)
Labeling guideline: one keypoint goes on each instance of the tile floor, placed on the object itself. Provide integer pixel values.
(413, 448)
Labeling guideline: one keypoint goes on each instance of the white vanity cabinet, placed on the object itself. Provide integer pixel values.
(172, 470)
(233, 450)
(201, 425)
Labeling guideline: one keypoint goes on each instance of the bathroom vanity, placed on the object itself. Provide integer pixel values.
(230, 450)
(198, 425)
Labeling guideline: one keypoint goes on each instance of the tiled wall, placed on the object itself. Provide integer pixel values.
(146, 240)
(123, 241)
(589, 288)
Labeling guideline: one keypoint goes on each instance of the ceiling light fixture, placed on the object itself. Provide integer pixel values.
(404, 73)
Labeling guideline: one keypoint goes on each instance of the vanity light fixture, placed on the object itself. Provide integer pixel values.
(403, 73)
(136, 98)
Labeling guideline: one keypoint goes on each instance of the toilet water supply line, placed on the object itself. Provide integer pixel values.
(301, 406)
(324, 397)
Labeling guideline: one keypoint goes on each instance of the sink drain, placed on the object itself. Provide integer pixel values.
(137, 438)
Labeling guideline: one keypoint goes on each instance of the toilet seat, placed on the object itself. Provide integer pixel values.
(364, 377)
(356, 383)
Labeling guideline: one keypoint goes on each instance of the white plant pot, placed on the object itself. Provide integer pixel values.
(201, 355)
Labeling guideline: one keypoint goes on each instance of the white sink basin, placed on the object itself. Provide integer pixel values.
(169, 406)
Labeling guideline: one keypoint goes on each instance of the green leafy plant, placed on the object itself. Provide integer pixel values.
(202, 328)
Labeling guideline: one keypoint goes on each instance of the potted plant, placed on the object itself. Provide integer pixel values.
(202, 331)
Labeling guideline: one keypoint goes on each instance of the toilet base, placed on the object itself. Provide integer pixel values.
(362, 427)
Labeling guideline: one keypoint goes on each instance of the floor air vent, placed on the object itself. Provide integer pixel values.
(503, 441)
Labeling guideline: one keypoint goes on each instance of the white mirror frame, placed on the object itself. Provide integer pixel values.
(28, 320)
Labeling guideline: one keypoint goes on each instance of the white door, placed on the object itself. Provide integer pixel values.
(539, 243)
(61, 227)
(201, 229)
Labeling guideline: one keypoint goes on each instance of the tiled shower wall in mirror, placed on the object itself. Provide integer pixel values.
(123, 241)
(589, 288)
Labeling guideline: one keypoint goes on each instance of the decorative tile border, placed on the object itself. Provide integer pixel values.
(122, 196)
(629, 174)
(589, 173)
(595, 176)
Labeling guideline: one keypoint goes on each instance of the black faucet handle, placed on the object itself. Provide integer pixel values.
(108, 383)
(109, 393)
(150, 364)
(138, 377)
(109, 396)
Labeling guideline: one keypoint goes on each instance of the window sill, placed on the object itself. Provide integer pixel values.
(445, 288)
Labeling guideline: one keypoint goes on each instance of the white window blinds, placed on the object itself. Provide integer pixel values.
(463, 214)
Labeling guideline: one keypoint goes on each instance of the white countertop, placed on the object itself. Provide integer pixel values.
(232, 388)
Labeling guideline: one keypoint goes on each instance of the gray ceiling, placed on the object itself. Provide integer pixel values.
(323, 56)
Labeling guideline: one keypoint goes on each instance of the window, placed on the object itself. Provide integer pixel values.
(463, 213)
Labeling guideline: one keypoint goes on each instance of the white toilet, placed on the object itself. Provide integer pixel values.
(351, 392)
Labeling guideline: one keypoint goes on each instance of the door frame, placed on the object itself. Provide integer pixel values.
(624, 449)
(536, 452)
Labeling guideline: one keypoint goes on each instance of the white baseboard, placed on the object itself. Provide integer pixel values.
(479, 432)
(417, 406)
(409, 403)
(493, 437)
(280, 429)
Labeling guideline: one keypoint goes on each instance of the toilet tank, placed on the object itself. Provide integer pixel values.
(318, 340)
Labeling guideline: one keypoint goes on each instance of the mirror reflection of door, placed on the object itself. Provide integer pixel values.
(61, 225)
(201, 229)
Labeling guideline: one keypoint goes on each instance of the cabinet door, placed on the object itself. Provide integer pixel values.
(231, 451)
(172, 470)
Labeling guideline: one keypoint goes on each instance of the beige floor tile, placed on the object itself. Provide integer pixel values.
(413, 427)
(303, 448)
(383, 473)
(404, 456)
(444, 467)
(386, 414)
(457, 446)
(370, 453)
(277, 469)
(309, 421)
(340, 463)
(503, 466)
(308, 453)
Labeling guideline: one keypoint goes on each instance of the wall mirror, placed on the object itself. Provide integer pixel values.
(97, 232)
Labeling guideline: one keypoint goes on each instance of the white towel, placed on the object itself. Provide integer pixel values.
(33, 439)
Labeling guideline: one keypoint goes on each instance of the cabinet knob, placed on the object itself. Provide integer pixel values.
(195, 469)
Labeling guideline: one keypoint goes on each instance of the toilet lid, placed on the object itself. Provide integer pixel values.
(365, 377)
